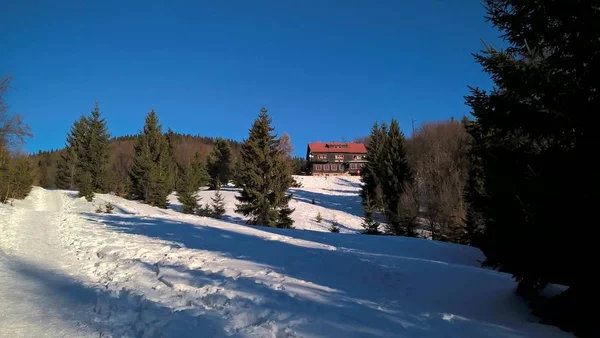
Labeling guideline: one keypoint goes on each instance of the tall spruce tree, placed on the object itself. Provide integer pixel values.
(96, 153)
(395, 176)
(373, 170)
(187, 189)
(67, 166)
(264, 177)
(44, 164)
(218, 204)
(150, 174)
(535, 143)
(218, 164)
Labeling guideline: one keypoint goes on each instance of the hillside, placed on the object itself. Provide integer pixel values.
(66, 270)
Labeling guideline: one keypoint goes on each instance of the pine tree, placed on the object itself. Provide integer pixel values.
(85, 185)
(16, 179)
(44, 165)
(334, 227)
(173, 164)
(372, 172)
(150, 174)
(264, 177)
(95, 157)
(371, 226)
(534, 138)
(218, 164)
(218, 205)
(187, 189)
(68, 164)
(395, 177)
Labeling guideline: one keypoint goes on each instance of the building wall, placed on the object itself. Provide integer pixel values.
(332, 163)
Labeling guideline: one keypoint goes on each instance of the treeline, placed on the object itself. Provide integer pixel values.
(417, 184)
(121, 150)
(519, 181)
(16, 171)
(262, 170)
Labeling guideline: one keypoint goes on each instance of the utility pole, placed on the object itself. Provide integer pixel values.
(413, 127)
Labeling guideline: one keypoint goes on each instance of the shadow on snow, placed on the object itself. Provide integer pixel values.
(370, 290)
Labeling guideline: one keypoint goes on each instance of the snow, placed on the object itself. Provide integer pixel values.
(67, 271)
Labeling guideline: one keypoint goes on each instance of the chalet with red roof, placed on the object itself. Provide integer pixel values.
(335, 158)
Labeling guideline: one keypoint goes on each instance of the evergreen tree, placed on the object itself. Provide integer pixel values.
(396, 175)
(150, 174)
(16, 179)
(373, 171)
(218, 163)
(264, 177)
(534, 138)
(85, 185)
(173, 164)
(44, 166)
(68, 164)
(218, 205)
(96, 152)
(371, 226)
(187, 189)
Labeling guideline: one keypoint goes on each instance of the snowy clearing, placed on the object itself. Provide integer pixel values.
(66, 271)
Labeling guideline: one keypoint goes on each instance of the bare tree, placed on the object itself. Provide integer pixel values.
(12, 128)
(438, 156)
(285, 145)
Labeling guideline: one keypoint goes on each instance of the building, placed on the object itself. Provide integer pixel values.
(335, 158)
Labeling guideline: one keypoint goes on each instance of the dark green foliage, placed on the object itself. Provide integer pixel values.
(534, 139)
(205, 211)
(187, 189)
(218, 205)
(83, 164)
(16, 178)
(94, 158)
(264, 174)
(85, 187)
(334, 227)
(371, 226)
(108, 208)
(372, 174)
(44, 164)
(300, 166)
(68, 164)
(150, 173)
(218, 163)
(396, 176)
(319, 218)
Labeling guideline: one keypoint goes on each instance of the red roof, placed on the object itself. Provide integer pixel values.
(337, 147)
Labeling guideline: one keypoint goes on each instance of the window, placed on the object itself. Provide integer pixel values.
(334, 167)
(358, 157)
(352, 165)
(339, 158)
(318, 167)
(325, 167)
(322, 156)
(362, 165)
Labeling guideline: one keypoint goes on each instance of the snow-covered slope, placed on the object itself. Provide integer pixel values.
(145, 272)
(335, 198)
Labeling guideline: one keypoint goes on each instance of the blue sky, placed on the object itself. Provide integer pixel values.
(326, 70)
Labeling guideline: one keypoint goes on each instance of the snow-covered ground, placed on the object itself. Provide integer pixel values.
(67, 271)
(335, 198)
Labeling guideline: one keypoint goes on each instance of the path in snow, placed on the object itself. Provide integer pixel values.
(32, 270)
